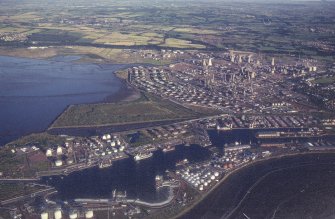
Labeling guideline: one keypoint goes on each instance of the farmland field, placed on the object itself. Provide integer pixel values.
(203, 25)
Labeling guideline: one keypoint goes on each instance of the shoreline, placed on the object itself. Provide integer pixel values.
(123, 94)
(238, 169)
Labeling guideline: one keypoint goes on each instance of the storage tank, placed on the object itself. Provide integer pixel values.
(89, 214)
(59, 163)
(58, 214)
(45, 215)
(59, 150)
(73, 215)
(48, 153)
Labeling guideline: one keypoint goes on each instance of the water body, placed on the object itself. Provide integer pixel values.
(34, 92)
(136, 178)
(248, 136)
(282, 187)
(292, 187)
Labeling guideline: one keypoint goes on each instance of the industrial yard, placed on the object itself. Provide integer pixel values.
(270, 136)
(181, 105)
(179, 99)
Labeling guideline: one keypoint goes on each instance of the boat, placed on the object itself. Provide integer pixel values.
(182, 162)
(105, 164)
(268, 134)
(168, 148)
(142, 156)
(224, 128)
(237, 146)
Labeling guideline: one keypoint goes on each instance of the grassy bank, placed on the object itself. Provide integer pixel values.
(147, 109)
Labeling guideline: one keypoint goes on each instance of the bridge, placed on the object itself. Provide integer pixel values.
(134, 201)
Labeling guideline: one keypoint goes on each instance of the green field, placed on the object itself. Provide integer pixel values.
(178, 43)
(142, 111)
(41, 140)
(11, 190)
(184, 25)
(326, 80)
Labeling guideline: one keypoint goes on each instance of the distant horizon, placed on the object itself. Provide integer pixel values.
(265, 1)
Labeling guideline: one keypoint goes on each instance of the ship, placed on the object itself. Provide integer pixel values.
(224, 128)
(168, 148)
(268, 134)
(159, 181)
(182, 162)
(237, 146)
(105, 164)
(142, 156)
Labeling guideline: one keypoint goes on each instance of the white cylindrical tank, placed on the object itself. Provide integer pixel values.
(44, 215)
(58, 163)
(113, 144)
(73, 215)
(89, 214)
(216, 174)
(58, 214)
(48, 153)
(59, 150)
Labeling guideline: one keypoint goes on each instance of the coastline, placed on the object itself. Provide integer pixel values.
(123, 94)
(182, 214)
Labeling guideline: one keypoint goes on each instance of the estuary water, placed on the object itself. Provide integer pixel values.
(135, 178)
(301, 186)
(34, 92)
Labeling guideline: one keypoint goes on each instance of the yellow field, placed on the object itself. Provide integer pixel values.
(130, 39)
(32, 31)
(31, 16)
(195, 31)
(13, 30)
(150, 27)
(105, 53)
